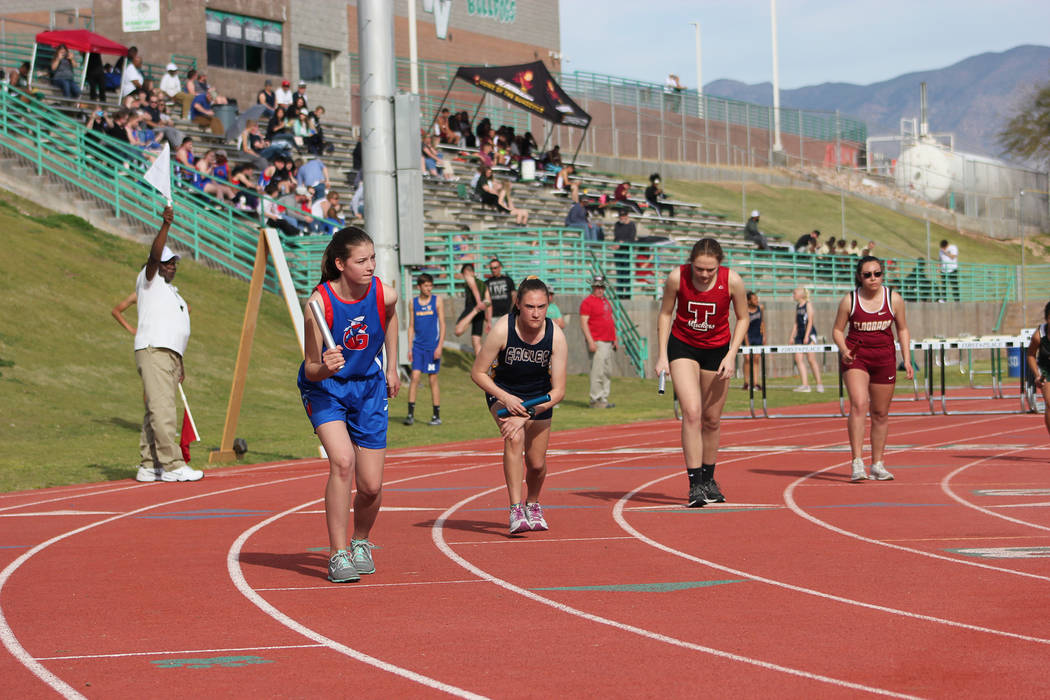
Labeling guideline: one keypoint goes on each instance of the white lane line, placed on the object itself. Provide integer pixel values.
(947, 488)
(7, 635)
(382, 509)
(233, 567)
(181, 651)
(538, 541)
(59, 512)
(437, 534)
(345, 588)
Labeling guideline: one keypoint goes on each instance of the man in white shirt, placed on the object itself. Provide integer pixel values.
(283, 94)
(132, 78)
(160, 341)
(949, 255)
(170, 84)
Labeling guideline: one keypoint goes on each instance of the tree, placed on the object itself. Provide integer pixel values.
(1027, 134)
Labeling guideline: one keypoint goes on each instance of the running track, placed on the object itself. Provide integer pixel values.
(935, 584)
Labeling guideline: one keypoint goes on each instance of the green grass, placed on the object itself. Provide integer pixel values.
(70, 398)
(791, 211)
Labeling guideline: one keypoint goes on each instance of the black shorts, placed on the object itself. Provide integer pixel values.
(707, 358)
(546, 415)
(477, 324)
(800, 339)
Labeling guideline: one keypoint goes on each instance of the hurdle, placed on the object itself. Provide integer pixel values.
(994, 344)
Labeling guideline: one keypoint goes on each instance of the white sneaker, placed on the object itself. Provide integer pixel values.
(879, 473)
(802, 390)
(820, 388)
(858, 470)
(183, 473)
(148, 474)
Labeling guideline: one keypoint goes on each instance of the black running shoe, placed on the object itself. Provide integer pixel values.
(713, 494)
(697, 495)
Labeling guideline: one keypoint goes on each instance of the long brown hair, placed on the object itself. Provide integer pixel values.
(339, 248)
(707, 246)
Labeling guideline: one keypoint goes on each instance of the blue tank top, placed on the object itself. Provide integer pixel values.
(425, 323)
(359, 328)
(754, 325)
(522, 369)
(801, 316)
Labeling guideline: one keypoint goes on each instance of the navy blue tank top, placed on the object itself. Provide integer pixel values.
(522, 369)
(801, 316)
(754, 326)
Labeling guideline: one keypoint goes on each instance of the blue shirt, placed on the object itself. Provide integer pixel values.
(199, 102)
(311, 173)
(425, 324)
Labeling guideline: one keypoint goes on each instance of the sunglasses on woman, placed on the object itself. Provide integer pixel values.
(868, 275)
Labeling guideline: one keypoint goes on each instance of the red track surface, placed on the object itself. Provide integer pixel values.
(803, 584)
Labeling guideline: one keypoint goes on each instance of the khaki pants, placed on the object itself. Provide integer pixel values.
(213, 123)
(601, 370)
(160, 370)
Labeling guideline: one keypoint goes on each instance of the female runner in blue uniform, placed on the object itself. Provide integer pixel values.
(1039, 362)
(756, 335)
(527, 355)
(345, 392)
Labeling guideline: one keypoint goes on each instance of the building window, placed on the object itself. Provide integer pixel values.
(243, 43)
(315, 65)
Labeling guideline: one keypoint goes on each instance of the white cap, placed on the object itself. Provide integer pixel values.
(172, 66)
(167, 254)
(754, 213)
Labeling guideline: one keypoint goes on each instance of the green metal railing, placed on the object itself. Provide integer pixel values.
(635, 345)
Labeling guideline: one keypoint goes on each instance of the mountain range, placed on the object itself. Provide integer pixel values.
(973, 98)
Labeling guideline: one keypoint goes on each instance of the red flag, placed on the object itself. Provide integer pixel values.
(189, 434)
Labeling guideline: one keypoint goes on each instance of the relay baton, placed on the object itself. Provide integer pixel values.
(663, 382)
(318, 312)
(527, 403)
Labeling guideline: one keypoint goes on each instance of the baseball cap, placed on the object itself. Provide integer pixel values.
(285, 83)
(598, 281)
(624, 212)
(754, 213)
(167, 254)
(302, 83)
(171, 66)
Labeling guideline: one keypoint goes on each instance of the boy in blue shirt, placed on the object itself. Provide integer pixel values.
(426, 336)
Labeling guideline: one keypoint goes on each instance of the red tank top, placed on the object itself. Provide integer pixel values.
(871, 328)
(702, 318)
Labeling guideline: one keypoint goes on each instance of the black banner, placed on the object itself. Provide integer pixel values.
(529, 86)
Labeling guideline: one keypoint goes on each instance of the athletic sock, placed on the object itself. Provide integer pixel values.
(695, 475)
(411, 409)
(708, 471)
(437, 411)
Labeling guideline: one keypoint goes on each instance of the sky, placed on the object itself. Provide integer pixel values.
(852, 41)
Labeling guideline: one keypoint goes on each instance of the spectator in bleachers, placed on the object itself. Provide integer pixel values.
(829, 247)
(63, 73)
(267, 98)
(141, 136)
(155, 116)
(202, 113)
(111, 78)
(131, 79)
(95, 78)
(313, 175)
(327, 214)
(521, 216)
(563, 182)
(673, 90)
(19, 80)
(484, 131)
(258, 149)
(283, 95)
(184, 97)
(752, 234)
(206, 182)
(622, 197)
(433, 163)
(654, 193)
(279, 173)
(245, 177)
(460, 122)
(443, 130)
(853, 249)
(186, 158)
(316, 117)
(357, 202)
(298, 105)
(170, 84)
(278, 128)
(485, 155)
(552, 159)
(579, 218)
(300, 93)
(527, 146)
(624, 232)
(275, 213)
(304, 133)
(807, 242)
(488, 190)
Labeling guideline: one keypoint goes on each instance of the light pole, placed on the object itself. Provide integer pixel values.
(777, 145)
(1020, 227)
(413, 49)
(699, 73)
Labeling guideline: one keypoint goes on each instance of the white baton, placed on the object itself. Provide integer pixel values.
(318, 312)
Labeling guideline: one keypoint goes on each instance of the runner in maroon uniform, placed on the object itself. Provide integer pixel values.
(869, 360)
(698, 350)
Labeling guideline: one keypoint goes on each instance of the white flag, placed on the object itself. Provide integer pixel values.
(159, 174)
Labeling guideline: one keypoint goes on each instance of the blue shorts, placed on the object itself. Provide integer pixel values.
(424, 361)
(362, 406)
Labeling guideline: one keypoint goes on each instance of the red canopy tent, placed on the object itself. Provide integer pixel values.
(78, 40)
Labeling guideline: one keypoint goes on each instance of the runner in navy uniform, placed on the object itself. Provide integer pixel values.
(756, 335)
(524, 356)
(699, 352)
(345, 391)
(1039, 362)
(869, 360)
(804, 332)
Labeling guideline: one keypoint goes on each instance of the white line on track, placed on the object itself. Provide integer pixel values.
(542, 541)
(344, 587)
(233, 567)
(437, 534)
(181, 651)
(59, 512)
(947, 488)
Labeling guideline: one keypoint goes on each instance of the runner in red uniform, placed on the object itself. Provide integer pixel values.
(698, 351)
(869, 360)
